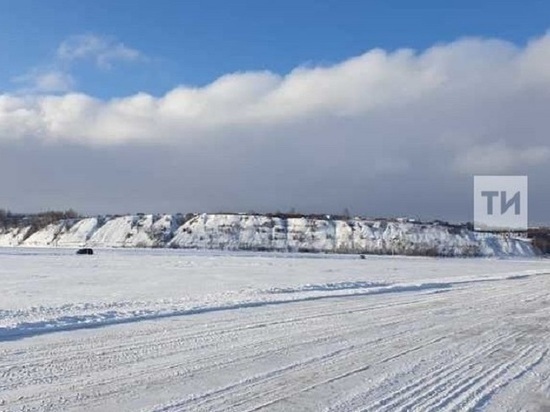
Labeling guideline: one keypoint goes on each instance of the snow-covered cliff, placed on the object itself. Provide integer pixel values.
(269, 233)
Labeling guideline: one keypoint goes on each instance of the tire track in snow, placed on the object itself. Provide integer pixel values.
(476, 378)
(198, 400)
(349, 372)
(133, 346)
(429, 383)
(482, 394)
(283, 389)
(210, 337)
(132, 361)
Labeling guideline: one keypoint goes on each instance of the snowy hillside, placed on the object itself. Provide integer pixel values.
(268, 233)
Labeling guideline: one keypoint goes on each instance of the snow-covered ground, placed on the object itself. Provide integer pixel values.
(173, 330)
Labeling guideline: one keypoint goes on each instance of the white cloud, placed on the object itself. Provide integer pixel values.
(104, 51)
(57, 76)
(445, 87)
(317, 135)
(52, 81)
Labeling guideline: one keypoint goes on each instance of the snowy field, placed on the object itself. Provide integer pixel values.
(168, 330)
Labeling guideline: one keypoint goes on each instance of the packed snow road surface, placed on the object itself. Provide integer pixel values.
(172, 331)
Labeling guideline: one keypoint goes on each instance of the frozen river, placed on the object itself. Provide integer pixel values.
(183, 331)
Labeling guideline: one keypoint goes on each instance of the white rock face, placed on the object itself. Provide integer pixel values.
(250, 232)
(12, 237)
(257, 232)
(78, 234)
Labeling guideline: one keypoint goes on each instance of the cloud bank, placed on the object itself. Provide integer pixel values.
(397, 132)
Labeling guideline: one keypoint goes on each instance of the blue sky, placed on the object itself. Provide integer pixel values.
(193, 42)
(116, 106)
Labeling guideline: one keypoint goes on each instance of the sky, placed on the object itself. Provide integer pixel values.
(383, 108)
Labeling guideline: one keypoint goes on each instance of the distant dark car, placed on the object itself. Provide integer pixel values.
(85, 251)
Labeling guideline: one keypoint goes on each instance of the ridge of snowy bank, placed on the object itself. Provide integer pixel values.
(37, 320)
(269, 233)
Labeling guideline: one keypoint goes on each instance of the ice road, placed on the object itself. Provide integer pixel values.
(162, 330)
